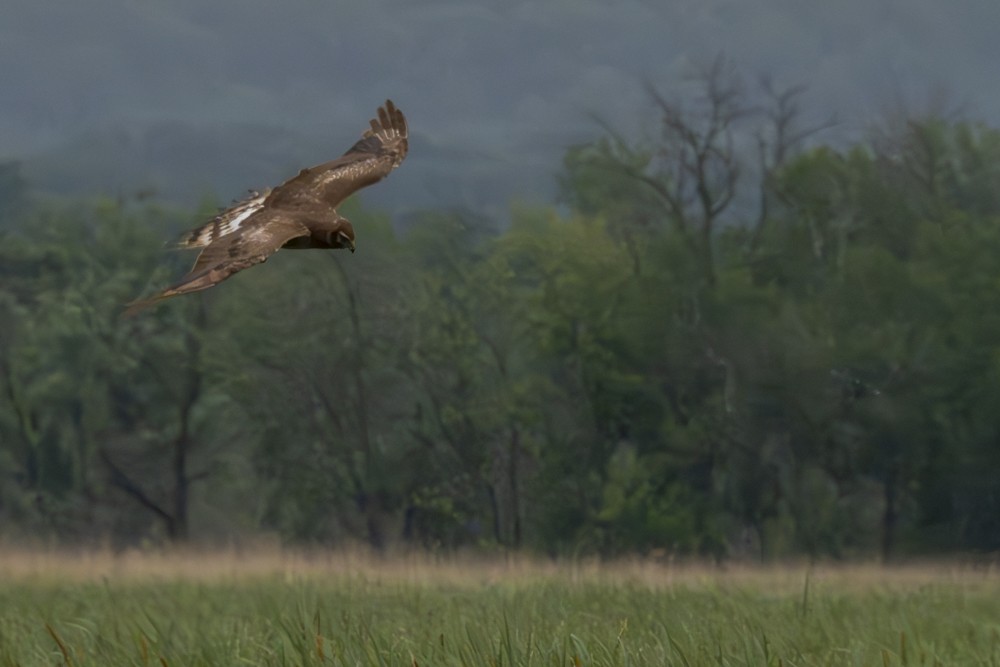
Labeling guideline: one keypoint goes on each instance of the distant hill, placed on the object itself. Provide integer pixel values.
(184, 163)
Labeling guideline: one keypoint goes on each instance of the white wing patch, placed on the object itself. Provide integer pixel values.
(225, 223)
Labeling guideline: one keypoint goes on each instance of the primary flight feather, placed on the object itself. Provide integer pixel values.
(300, 213)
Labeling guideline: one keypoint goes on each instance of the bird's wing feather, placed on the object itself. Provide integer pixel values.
(251, 244)
(226, 222)
(268, 231)
(369, 160)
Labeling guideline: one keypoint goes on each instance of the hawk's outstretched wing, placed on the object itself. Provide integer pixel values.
(221, 258)
(379, 151)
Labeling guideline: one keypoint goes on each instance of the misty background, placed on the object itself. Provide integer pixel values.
(188, 100)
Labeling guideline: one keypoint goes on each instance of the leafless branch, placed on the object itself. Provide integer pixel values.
(120, 479)
(776, 141)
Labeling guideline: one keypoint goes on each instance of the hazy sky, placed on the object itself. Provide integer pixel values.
(494, 91)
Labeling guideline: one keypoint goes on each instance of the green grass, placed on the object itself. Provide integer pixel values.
(214, 610)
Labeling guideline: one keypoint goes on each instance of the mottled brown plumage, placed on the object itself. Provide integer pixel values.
(298, 214)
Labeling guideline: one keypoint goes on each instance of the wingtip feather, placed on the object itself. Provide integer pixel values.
(132, 308)
(391, 122)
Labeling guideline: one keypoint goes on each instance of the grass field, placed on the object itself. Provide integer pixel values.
(274, 609)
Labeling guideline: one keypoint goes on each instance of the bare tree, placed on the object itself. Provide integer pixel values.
(693, 168)
(781, 135)
(696, 167)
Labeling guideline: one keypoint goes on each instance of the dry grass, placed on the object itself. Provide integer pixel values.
(268, 562)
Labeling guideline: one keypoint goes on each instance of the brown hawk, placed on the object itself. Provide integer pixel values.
(300, 213)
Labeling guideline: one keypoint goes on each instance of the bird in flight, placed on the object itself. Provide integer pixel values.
(300, 213)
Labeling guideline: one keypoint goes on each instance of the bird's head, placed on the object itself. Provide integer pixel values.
(347, 242)
(344, 236)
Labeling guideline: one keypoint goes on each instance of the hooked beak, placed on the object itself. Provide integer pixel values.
(343, 241)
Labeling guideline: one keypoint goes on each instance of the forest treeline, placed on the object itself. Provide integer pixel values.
(727, 339)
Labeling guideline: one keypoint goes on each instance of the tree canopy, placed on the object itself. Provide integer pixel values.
(730, 340)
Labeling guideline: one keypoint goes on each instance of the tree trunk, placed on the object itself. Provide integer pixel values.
(515, 487)
(889, 517)
(178, 528)
(182, 444)
(495, 509)
(376, 536)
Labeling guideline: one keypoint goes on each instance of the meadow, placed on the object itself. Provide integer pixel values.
(273, 608)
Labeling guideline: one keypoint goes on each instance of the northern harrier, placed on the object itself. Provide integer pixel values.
(299, 213)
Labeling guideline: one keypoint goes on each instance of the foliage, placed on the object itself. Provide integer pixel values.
(699, 356)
